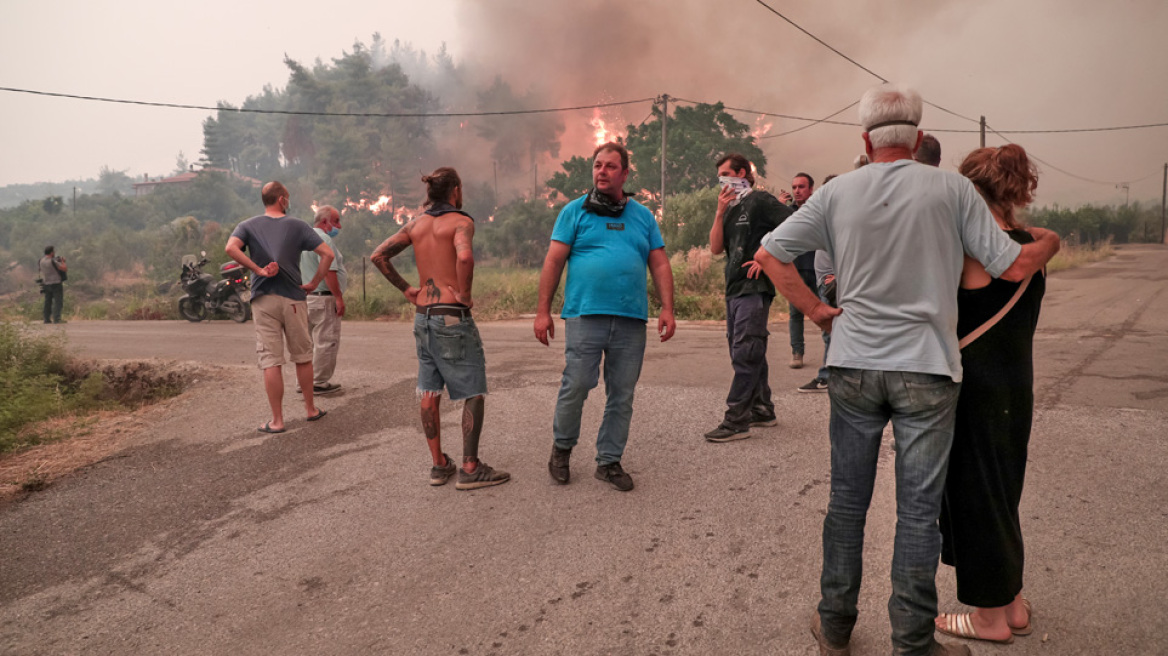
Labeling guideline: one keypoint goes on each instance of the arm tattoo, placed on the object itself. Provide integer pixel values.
(432, 292)
(387, 251)
(463, 235)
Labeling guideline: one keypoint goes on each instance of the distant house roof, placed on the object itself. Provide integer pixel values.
(187, 177)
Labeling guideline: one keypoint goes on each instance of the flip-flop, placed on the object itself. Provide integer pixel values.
(267, 428)
(319, 415)
(960, 625)
(1028, 629)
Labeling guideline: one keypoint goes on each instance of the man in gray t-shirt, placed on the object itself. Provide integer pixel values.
(51, 267)
(274, 241)
(898, 232)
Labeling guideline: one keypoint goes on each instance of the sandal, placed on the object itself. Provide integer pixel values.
(318, 416)
(960, 625)
(1028, 629)
(267, 428)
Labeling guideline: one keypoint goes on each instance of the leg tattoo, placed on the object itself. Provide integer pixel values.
(472, 426)
(432, 426)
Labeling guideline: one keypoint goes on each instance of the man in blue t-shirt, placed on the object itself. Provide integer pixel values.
(274, 242)
(606, 240)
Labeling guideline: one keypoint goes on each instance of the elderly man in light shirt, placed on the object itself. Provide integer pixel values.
(898, 232)
(326, 306)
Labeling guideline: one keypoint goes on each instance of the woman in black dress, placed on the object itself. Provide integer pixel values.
(981, 535)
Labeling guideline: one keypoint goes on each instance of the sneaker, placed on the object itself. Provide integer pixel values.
(558, 465)
(326, 388)
(724, 433)
(796, 361)
(763, 421)
(615, 476)
(483, 476)
(439, 475)
(815, 385)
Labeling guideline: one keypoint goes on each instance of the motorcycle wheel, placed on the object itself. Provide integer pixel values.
(191, 310)
(235, 309)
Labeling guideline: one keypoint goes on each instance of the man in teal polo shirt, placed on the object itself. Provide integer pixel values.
(606, 240)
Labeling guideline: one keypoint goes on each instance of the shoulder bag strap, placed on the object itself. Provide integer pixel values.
(982, 329)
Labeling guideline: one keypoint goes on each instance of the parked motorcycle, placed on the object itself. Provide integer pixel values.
(204, 295)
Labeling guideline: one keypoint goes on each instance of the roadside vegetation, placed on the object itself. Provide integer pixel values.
(40, 382)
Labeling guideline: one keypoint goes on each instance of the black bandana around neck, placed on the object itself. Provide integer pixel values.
(602, 205)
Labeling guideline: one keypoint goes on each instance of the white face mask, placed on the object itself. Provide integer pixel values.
(741, 186)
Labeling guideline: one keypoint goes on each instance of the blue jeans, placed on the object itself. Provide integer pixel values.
(795, 323)
(450, 355)
(922, 408)
(621, 342)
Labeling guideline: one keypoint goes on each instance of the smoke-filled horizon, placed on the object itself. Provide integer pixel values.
(1043, 64)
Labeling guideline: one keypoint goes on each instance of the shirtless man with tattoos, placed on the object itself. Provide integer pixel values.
(450, 351)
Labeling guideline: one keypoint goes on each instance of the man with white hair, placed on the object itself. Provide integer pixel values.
(898, 233)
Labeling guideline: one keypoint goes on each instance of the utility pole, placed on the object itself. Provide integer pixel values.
(75, 201)
(534, 180)
(1164, 205)
(983, 132)
(664, 118)
(495, 164)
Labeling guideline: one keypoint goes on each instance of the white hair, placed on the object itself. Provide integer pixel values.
(325, 213)
(891, 102)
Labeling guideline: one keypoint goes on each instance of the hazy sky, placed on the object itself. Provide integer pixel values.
(1025, 64)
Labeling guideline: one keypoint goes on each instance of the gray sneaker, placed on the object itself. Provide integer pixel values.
(615, 475)
(724, 433)
(439, 475)
(763, 421)
(482, 476)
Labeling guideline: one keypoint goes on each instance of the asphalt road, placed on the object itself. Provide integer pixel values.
(206, 537)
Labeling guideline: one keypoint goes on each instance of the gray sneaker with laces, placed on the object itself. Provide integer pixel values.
(439, 475)
(483, 476)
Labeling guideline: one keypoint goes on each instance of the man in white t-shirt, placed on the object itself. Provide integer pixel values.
(326, 305)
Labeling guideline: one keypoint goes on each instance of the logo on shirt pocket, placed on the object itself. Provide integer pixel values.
(615, 226)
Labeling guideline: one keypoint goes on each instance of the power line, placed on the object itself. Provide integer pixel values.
(305, 113)
(1068, 173)
(812, 124)
(863, 68)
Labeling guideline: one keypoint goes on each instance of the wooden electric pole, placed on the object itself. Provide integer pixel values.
(983, 132)
(1164, 205)
(664, 118)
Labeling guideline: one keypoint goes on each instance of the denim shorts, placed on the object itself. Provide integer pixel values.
(450, 355)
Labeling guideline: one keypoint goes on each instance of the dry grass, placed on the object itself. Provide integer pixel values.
(1071, 256)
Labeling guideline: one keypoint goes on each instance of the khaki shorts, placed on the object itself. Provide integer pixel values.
(278, 318)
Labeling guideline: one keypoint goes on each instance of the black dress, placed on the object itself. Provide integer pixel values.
(981, 534)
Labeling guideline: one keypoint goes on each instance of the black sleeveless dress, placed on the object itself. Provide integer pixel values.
(981, 534)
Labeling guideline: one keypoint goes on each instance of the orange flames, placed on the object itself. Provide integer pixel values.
(761, 128)
(600, 129)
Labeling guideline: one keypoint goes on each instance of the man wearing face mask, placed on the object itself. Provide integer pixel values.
(744, 216)
(325, 306)
(801, 189)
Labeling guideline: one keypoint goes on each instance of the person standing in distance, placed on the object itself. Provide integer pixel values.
(744, 215)
(801, 189)
(606, 240)
(52, 267)
(274, 241)
(325, 306)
